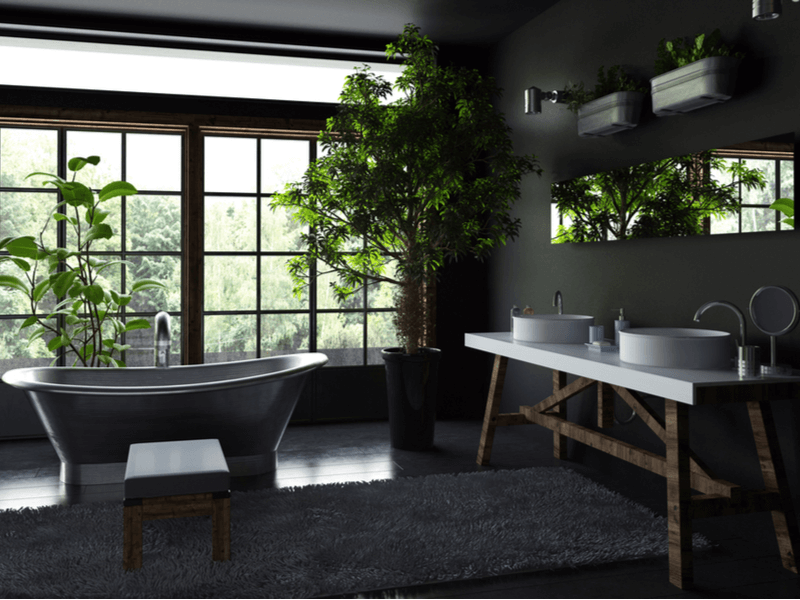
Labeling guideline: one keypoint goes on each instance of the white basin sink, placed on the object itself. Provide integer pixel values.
(553, 329)
(676, 347)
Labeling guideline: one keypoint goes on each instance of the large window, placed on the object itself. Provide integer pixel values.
(249, 308)
(147, 226)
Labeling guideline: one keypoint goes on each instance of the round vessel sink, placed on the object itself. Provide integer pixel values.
(676, 347)
(553, 329)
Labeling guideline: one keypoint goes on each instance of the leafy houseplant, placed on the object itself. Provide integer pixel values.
(614, 105)
(786, 206)
(84, 315)
(693, 73)
(669, 197)
(414, 182)
(680, 52)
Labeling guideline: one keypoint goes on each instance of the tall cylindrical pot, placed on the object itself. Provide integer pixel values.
(411, 383)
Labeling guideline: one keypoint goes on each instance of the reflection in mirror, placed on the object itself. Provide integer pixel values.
(724, 190)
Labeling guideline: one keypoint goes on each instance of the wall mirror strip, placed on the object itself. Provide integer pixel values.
(718, 191)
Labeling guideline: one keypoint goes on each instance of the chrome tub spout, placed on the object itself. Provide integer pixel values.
(163, 338)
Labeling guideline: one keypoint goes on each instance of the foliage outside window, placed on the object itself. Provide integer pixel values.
(249, 308)
(671, 197)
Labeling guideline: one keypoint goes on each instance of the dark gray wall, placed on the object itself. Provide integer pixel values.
(659, 282)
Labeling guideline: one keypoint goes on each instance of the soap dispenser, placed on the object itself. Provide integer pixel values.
(620, 324)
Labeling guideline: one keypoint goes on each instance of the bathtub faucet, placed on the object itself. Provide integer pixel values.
(163, 337)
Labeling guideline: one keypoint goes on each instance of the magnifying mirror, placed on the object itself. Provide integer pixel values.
(775, 311)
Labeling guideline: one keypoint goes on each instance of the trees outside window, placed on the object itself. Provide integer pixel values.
(249, 307)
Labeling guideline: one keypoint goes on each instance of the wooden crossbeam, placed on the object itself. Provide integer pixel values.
(628, 452)
(564, 392)
(656, 425)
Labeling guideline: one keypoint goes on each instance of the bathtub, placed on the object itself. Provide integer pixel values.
(92, 415)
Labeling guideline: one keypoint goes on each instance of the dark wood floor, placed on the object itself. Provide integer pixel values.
(743, 564)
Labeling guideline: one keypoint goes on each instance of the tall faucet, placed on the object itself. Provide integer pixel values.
(163, 337)
(559, 302)
(707, 305)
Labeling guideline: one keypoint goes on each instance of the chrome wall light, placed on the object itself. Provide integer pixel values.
(534, 97)
(767, 10)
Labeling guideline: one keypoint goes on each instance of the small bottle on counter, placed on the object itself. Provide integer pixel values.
(515, 312)
(620, 324)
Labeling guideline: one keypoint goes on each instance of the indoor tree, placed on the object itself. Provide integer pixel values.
(405, 185)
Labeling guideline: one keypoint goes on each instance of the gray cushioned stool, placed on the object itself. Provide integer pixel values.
(164, 480)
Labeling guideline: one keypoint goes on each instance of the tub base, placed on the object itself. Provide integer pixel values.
(103, 473)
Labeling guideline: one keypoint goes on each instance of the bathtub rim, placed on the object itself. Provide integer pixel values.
(25, 378)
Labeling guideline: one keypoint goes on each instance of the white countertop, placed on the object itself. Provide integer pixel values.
(578, 359)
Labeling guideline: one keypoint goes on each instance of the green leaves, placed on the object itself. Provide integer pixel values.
(87, 319)
(115, 189)
(14, 283)
(423, 179)
(786, 206)
(24, 247)
(77, 163)
(680, 52)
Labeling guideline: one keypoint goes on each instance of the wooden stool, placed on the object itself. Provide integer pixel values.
(164, 480)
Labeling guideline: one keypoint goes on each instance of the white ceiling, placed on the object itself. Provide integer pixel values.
(472, 22)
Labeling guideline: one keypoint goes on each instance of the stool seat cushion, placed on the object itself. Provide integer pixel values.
(174, 468)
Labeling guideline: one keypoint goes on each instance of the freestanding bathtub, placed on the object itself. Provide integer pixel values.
(92, 415)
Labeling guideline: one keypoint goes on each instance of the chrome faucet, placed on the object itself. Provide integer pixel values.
(707, 305)
(163, 338)
(559, 302)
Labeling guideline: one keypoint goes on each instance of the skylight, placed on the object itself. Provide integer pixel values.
(113, 67)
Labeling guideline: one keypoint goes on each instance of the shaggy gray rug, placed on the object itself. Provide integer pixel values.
(333, 539)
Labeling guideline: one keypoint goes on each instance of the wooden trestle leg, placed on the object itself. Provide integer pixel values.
(679, 498)
(492, 409)
(769, 455)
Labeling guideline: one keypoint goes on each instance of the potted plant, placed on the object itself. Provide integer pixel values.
(417, 181)
(84, 314)
(614, 105)
(691, 74)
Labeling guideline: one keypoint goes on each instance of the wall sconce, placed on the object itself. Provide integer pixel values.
(767, 10)
(534, 97)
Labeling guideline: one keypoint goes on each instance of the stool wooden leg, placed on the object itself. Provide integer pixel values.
(221, 529)
(681, 571)
(132, 537)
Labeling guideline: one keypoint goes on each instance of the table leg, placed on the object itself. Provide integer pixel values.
(769, 455)
(678, 494)
(559, 441)
(492, 409)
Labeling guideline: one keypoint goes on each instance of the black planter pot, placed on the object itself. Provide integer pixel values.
(411, 383)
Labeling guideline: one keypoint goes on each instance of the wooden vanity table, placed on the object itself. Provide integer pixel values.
(685, 471)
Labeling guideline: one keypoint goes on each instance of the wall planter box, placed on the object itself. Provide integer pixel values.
(702, 83)
(610, 114)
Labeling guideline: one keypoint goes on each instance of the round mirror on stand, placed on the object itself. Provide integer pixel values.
(775, 311)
